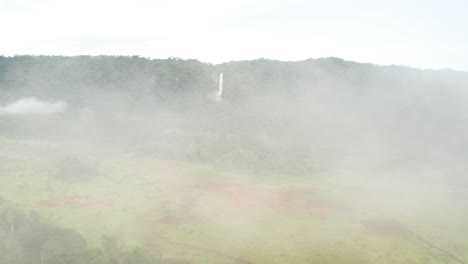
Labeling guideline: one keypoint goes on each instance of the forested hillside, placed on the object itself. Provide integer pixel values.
(334, 112)
(76, 79)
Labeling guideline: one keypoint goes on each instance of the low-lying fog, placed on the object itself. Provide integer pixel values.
(389, 138)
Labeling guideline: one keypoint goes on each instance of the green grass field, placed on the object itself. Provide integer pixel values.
(195, 213)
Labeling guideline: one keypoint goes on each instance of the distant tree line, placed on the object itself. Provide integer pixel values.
(78, 79)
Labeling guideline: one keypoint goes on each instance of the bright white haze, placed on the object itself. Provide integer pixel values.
(32, 106)
(417, 33)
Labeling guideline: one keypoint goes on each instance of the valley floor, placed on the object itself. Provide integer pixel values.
(193, 213)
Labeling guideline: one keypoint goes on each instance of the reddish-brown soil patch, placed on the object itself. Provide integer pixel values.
(250, 196)
(79, 201)
(383, 227)
(288, 202)
(356, 209)
(175, 261)
(300, 200)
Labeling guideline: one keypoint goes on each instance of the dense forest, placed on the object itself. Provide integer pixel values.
(27, 238)
(78, 79)
(329, 111)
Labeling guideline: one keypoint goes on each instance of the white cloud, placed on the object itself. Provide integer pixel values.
(33, 106)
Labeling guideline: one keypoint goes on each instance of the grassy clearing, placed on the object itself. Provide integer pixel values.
(199, 214)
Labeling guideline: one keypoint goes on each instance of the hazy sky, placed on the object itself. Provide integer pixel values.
(418, 33)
